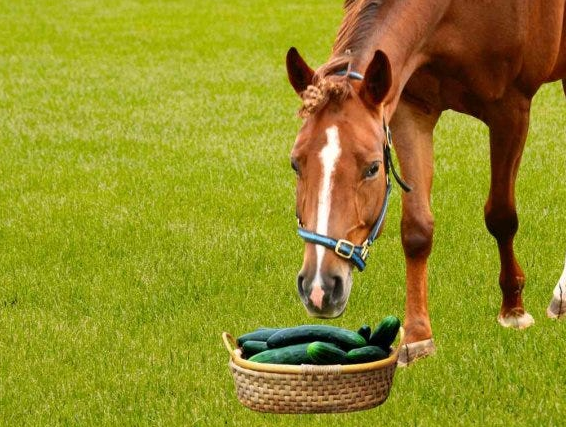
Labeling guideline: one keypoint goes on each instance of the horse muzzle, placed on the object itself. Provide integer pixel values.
(325, 295)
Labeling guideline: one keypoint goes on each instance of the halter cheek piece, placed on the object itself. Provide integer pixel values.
(357, 254)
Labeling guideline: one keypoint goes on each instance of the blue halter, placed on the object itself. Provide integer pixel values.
(351, 74)
(357, 254)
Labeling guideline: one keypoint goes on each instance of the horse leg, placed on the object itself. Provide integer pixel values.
(557, 307)
(412, 129)
(508, 123)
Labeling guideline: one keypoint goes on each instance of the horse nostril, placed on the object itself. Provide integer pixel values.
(338, 289)
(300, 282)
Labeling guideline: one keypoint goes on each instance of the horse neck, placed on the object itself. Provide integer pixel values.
(400, 29)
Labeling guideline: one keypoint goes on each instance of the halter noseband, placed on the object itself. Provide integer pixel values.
(357, 254)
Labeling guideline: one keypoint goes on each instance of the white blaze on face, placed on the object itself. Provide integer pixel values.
(329, 158)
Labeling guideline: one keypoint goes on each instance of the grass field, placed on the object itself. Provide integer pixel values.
(146, 205)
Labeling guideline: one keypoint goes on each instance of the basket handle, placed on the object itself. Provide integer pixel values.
(230, 343)
(401, 339)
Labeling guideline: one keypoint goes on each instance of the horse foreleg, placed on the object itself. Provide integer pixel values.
(412, 129)
(508, 122)
(557, 307)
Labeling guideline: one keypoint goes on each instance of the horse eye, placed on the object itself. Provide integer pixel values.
(295, 166)
(372, 170)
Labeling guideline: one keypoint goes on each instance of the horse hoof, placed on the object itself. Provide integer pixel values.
(411, 352)
(521, 321)
(557, 308)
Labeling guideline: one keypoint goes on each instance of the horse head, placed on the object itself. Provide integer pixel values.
(341, 161)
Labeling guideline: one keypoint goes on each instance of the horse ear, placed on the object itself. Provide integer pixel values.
(299, 73)
(377, 80)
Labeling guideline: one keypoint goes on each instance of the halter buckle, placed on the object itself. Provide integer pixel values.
(348, 252)
(365, 251)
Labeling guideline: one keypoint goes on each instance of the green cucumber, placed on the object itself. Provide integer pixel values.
(365, 331)
(261, 334)
(249, 348)
(369, 353)
(385, 333)
(290, 355)
(343, 338)
(324, 353)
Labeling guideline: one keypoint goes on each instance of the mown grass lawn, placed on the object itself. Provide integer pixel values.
(146, 205)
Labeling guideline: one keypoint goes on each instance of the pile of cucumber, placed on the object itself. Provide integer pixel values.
(320, 344)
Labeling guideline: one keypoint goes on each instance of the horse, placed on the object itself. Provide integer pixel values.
(395, 66)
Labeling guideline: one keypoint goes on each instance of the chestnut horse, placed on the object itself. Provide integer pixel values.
(400, 64)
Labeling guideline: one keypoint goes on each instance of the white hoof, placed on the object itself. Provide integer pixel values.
(522, 321)
(557, 308)
(410, 353)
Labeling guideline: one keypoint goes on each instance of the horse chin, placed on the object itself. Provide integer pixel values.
(331, 314)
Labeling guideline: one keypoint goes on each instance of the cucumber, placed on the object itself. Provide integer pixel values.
(261, 334)
(249, 348)
(290, 355)
(324, 353)
(369, 353)
(385, 333)
(343, 338)
(365, 331)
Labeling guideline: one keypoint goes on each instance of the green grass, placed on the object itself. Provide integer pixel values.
(146, 205)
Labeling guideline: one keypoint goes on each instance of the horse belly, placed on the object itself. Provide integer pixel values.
(545, 46)
(559, 71)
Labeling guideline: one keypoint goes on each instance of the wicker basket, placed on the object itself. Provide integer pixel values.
(303, 389)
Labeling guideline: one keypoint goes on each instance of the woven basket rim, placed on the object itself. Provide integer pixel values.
(235, 355)
(288, 393)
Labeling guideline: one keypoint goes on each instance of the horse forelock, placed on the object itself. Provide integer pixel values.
(324, 90)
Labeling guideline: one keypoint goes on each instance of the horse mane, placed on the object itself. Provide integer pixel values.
(356, 30)
(358, 25)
